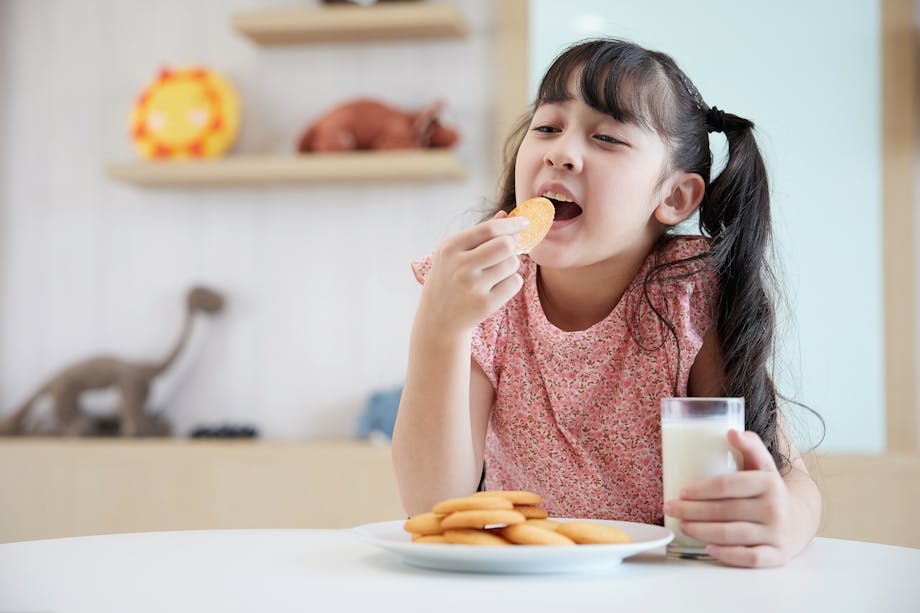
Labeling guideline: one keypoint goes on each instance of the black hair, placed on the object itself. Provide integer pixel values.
(646, 88)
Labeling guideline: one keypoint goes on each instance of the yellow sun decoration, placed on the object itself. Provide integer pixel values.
(185, 114)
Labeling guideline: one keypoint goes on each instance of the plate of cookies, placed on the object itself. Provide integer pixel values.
(509, 532)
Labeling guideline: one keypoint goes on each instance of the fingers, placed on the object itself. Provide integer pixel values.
(740, 515)
(755, 454)
(502, 270)
(743, 484)
(507, 288)
(760, 556)
(743, 509)
(726, 533)
(493, 251)
(480, 233)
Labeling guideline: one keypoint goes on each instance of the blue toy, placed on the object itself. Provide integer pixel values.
(379, 414)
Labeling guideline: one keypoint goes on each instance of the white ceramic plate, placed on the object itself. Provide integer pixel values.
(389, 535)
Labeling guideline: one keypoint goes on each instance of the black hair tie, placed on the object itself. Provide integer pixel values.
(715, 120)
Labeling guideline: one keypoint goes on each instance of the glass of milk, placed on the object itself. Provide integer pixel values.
(694, 447)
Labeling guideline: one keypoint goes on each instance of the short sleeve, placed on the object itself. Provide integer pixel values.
(696, 294)
(705, 300)
(488, 344)
(488, 335)
(421, 268)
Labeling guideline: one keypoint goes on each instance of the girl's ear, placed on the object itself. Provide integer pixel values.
(684, 195)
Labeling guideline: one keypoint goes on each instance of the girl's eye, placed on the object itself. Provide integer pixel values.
(608, 139)
(546, 129)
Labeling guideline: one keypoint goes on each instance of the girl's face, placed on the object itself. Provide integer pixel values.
(603, 177)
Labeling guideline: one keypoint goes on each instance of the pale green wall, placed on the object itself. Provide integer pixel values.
(808, 74)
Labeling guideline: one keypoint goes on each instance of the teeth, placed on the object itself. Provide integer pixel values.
(555, 196)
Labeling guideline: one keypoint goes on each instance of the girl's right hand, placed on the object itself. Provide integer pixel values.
(473, 273)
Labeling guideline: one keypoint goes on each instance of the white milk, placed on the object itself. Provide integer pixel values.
(693, 450)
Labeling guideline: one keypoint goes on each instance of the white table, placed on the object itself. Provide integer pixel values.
(334, 570)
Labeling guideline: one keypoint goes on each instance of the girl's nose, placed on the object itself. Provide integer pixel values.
(563, 156)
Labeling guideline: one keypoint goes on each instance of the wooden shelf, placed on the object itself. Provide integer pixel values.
(353, 167)
(396, 21)
(60, 487)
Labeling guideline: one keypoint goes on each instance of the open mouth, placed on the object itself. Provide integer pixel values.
(565, 208)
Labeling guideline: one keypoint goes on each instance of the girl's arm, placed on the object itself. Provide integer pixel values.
(440, 428)
(754, 517)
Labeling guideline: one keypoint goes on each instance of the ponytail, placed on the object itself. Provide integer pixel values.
(735, 213)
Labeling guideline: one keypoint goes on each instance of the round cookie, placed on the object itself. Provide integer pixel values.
(540, 213)
(433, 539)
(528, 534)
(531, 512)
(591, 533)
(515, 496)
(471, 536)
(546, 524)
(481, 519)
(473, 503)
(424, 523)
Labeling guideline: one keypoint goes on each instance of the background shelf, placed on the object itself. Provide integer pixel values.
(63, 487)
(397, 21)
(352, 167)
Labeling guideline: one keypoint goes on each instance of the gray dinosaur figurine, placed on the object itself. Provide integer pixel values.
(131, 379)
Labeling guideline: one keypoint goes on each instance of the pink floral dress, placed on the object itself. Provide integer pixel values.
(576, 414)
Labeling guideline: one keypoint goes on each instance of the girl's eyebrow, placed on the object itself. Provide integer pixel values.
(558, 98)
(605, 120)
(620, 125)
(548, 105)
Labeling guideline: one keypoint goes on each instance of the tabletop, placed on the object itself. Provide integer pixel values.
(336, 570)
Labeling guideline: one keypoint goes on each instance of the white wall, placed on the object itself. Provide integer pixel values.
(317, 278)
(808, 75)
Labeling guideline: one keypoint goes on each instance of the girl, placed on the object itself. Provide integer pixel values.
(573, 346)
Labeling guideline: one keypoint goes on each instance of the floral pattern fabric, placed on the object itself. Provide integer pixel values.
(576, 415)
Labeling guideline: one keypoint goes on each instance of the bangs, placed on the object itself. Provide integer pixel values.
(616, 78)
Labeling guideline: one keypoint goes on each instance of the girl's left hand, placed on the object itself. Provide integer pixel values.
(746, 518)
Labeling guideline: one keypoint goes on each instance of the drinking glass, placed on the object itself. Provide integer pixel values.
(694, 447)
